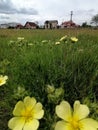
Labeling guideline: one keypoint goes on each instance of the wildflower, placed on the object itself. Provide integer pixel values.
(59, 92)
(10, 42)
(3, 79)
(20, 92)
(74, 39)
(30, 44)
(20, 38)
(80, 50)
(26, 114)
(64, 38)
(57, 43)
(50, 89)
(56, 95)
(76, 119)
(45, 41)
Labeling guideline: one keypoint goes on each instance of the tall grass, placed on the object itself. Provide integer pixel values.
(71, 66)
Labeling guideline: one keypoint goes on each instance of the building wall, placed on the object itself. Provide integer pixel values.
(51, 25)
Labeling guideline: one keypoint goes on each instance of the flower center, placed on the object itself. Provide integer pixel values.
(1, 80)
(27, 114)
(75, 124)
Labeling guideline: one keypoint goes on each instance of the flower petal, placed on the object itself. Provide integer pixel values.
(38, 111)
(88, 124)
(31, 125)
(19, 107)
(62, 125)
(5, 77)
(64, 111)
(16, 123)
(3, 82)
(39, 114)
(80, 111)
(29, 102)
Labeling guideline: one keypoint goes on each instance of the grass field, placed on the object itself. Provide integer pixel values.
(31, 65)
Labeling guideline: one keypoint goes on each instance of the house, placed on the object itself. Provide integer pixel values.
(9, 25)
(51, 24)
(31, 25)
(12, 25)
(4, 26)
(68, 24)
(19, 26)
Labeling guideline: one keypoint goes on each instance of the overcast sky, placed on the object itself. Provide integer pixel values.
(40, 10)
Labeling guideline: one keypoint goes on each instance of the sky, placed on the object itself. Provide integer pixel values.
(39, 11)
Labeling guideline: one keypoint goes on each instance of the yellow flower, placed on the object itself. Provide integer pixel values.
(76, 119)
(3, 79)
(57, 43)
(45, 41)
(74, 39)
(26, 114)
(30, 44)
(20, 38)
(64, 38)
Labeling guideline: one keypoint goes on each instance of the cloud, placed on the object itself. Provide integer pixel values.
(7, 7)
(29, 11)
(83, 15)
(41, 10)
(86, 12)
(4, 17)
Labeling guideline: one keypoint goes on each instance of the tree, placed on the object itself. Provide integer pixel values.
(84, 24)
(95, 20)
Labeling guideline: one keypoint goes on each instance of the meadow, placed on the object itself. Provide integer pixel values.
(38, 67)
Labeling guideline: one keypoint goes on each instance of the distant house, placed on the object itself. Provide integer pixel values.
(51, 24)
(19, 26)
(31, 25)
(4, 26)
(68, 24)
(12, 25)
(9, 25)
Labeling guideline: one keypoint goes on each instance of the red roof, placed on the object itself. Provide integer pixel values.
(31, 24)
(19, 26)
(68, 23)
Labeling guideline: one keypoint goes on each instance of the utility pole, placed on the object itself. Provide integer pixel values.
(71, 14)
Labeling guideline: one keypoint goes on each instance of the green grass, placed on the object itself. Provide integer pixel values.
(71, 66)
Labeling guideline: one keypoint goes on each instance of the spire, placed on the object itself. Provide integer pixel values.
(71, 14)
